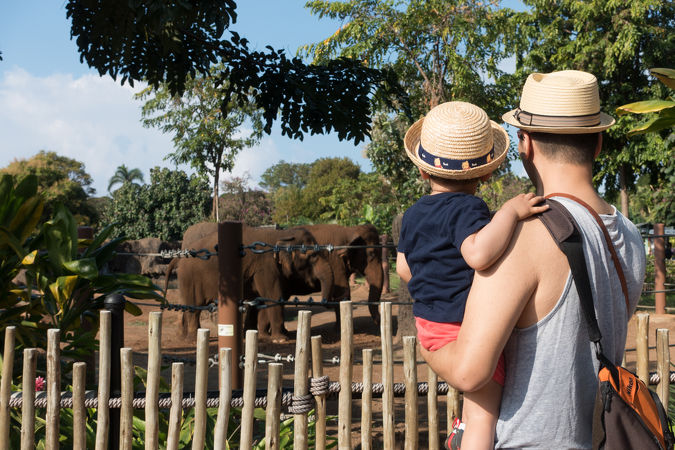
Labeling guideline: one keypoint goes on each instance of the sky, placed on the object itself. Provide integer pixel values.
(50, 101)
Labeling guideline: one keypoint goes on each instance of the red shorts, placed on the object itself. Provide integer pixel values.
(434, 335)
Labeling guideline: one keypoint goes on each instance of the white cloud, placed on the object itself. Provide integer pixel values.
(91, 119)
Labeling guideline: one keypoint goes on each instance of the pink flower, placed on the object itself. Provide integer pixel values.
(39, 384)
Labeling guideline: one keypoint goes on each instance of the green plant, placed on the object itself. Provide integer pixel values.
(664, 109)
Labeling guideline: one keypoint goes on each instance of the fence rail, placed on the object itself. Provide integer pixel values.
(309, 392)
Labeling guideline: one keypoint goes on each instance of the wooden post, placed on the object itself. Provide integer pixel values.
(273, 412)
(387, 376)
(6, 385)
(224, 397)
(300, 382)
(367, 400)
(346, 367)
(53, 389)
(432, 409)
(79, 411)
(453, 404)
(663, 365)
(152, 390)
(28, 400)
(250, 365)
(230, 292)
(176, 412)
(320, 410)
(410, 374)
(103, 411)
(659, 269)
(127, 398)
(641, 347)
(201, 386)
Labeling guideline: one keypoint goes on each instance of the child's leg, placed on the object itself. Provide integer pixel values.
(479, 414)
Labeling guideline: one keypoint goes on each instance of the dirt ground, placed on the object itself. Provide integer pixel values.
(366, 336)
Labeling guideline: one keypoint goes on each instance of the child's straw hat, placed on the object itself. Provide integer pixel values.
(565, 102)
(456, 140)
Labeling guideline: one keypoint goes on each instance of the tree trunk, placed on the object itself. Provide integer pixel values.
(623, 191)
(404, 318)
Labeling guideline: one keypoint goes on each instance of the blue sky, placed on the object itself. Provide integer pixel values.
(50, 101)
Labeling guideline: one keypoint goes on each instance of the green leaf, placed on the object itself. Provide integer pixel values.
(657, 124)
(86, 268)
(29, 258)
(666, 76)
(132, 309)
(646, 106)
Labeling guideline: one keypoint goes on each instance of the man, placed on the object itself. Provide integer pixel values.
(526, 305)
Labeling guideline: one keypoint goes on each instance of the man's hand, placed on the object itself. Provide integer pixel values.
(525, 205)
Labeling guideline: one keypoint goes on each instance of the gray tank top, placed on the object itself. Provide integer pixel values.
(551, 371)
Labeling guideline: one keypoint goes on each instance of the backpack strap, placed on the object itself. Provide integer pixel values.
(563, 228)
(608, 240)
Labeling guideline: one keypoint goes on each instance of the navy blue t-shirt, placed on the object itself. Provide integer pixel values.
(432, 232)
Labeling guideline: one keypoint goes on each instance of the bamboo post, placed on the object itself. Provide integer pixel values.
(387, 376)
(201, 386)
(367, 400)
(230, 291)
(250, 365)
(663, 365)
(384, 238)
(53, 389)
(79, 411)
(225, 397)
(642, 348)
(320, 410)
(432, 409)
(453, 404)
(152, 390)
(103, 410)
(6, 385)
(300, 383)
(176, 412)
(659, 269)
(273, 412)
(346, 367)
(127, 398)
(28, 400)
(410, 374)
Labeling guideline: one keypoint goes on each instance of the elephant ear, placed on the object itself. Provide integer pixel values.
(283, 258)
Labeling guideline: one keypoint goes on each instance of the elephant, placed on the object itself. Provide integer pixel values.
(344, 262)
(268, 275)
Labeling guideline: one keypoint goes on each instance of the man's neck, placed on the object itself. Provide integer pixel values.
(571, 179)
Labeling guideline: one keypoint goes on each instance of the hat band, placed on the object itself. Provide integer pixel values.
(455, 164)
(539, 120)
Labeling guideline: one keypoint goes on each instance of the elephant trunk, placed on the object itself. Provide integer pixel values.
(375, 277)
(324, 274)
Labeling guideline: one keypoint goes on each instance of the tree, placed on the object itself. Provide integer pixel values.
(241, 203)
(163, 208)
(441, 51)
(124, 175)
(169, 42)
(60, 180)
(285, 174)
(207, 132)
(617, 42)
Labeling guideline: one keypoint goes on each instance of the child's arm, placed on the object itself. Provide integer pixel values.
(402, 268)
(481, 249)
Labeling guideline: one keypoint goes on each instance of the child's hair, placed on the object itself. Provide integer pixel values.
(446, 182)
(569, 148)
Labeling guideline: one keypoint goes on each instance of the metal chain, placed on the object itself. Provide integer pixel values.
(210, 307)
(262, 303)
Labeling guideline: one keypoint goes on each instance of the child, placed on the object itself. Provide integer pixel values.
(447, 235)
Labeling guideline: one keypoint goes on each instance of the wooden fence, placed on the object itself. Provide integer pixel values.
(308, 393)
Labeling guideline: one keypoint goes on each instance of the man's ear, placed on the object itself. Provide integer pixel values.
(525, 147)
(598, 146)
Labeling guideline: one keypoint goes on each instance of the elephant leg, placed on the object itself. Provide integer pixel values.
(251, 318)
(189, 323)
(375, 313)
(275, 321)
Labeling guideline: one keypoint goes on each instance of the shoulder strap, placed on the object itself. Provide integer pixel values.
(608, 240)
(560, 223)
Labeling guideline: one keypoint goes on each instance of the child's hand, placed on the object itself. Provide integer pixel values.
(525, 205)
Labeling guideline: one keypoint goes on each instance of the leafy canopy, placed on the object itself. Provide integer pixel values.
(169, 42)
(124, 175)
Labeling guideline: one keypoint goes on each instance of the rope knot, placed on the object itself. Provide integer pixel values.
(319, 386)
(301, 404)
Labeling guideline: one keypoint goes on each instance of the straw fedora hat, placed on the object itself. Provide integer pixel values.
(565, 102)
(456, 140)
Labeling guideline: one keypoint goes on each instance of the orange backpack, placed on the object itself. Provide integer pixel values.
(627, 414)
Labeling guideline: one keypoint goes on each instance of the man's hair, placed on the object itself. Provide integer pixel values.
(569, 148)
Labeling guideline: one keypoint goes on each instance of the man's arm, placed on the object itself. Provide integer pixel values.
(495, 304)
